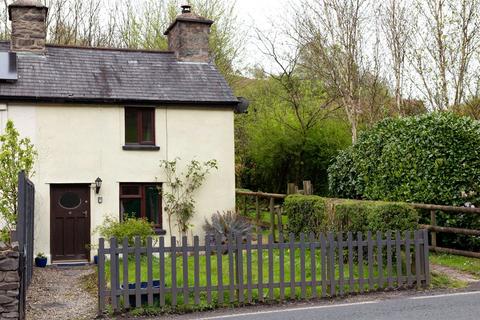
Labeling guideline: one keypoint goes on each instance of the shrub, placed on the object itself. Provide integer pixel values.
(315, 214)
(432, 158)
(129, 228)
(228, 224)
(16, 154)
(305, 214)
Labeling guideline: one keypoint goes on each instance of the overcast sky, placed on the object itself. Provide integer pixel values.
(259, 14)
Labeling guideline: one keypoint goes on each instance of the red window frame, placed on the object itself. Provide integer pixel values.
(143, 201)
(139, 115)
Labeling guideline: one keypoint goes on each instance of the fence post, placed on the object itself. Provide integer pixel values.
(239, 267)
(307, 188)
(101, 277)
(113, 273)
(433, 222)
(278, 210)
(245, 206)
(426, 261)
(272, 217)
(257, 209)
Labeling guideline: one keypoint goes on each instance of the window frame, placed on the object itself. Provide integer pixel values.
(139, 114)
(143, 201)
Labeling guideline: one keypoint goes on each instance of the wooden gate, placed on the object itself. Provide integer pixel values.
(24, 235)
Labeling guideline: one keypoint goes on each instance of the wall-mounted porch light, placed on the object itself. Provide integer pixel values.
(98, 184)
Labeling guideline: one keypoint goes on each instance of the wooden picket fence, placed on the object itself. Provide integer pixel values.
(244, 270)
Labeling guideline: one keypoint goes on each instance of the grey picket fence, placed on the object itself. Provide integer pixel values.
(243, 270)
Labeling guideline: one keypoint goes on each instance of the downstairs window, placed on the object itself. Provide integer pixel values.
(142, 200)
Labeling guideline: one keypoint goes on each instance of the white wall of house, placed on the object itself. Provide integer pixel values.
(78, 143)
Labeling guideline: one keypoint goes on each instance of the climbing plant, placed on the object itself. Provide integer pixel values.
(179, 196)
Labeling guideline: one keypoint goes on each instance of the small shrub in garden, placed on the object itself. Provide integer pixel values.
(228, 224)
(128, 228)
(305, 214)
(316, 214)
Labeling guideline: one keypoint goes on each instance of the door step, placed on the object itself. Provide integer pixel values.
(70, 263)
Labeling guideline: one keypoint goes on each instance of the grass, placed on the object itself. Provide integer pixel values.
(225, 275)
(464, 264)
(443, 281)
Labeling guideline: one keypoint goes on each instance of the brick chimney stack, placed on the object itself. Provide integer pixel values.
(188, 36)
(29, 26)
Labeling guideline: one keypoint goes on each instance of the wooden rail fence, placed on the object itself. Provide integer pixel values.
(244, 270)
(432, 227)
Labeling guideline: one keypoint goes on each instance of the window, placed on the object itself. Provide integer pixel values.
(140, 126)
(141, 200)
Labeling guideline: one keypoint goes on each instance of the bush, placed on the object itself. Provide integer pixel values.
(129, 228)
(228, 224)
(433, 158)
(316, 214)
(305, 214)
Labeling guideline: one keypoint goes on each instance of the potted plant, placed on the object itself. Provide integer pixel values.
(91, 247)
(40, 260)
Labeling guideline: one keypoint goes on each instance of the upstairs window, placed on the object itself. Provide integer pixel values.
(141, 200)
(140, 126)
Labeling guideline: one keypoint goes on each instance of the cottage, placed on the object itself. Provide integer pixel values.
(112, 115)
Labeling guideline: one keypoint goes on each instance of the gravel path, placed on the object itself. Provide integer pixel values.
(58, 293)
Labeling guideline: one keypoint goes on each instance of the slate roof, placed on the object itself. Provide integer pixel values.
(87, 75)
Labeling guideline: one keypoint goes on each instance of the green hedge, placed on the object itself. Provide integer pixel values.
(433, 158)
(316, 214)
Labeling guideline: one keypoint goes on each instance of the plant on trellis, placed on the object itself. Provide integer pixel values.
(179, 197)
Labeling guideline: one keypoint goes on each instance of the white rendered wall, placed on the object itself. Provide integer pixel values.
(78, 143)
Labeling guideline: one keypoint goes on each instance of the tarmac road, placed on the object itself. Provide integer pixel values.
(450, 306)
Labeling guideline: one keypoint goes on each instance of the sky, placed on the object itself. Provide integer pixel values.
(259, 14)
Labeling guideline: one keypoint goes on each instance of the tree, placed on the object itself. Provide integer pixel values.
(447, 41)
(397, 27)
(331, 33)
(16, 154)
(271, 147)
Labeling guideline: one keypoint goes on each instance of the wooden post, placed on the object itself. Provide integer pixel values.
(291, 188)
(272, 217)
(433, 222)
(257, 208)
(278, 210)
(307, 188)
(245, 206)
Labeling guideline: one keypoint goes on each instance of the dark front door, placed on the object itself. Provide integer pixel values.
(70, 221)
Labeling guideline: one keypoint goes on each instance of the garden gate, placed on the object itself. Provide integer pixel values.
(24, 235)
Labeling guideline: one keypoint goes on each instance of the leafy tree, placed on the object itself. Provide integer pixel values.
(179, 197)
(16, 154)
(271, 147)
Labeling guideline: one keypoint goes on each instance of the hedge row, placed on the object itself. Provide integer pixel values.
(316, 214)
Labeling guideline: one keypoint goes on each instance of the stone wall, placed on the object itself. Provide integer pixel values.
(9, 282)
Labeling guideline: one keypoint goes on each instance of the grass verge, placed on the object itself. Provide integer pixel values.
(464, 264)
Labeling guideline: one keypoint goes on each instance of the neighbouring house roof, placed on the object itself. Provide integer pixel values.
(94, 75)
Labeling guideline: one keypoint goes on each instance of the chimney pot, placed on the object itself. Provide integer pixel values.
(186, 8)
(29, 25)
(188, 36)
